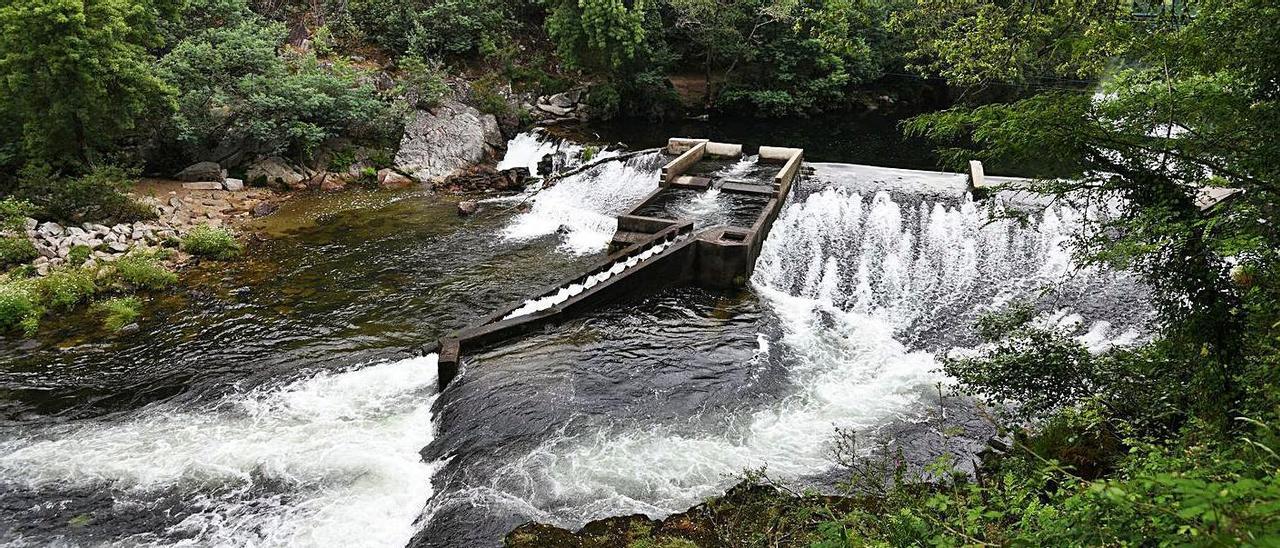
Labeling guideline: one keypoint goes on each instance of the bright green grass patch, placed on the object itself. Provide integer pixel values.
(15, 250)
(212, 242)
(19, 306)
(144, 271)
(118, 312)
(79, 254)
(64, 289)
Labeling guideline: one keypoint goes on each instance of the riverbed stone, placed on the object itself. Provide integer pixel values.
(265, 208)
(233, 185)
(208, 185)
(438, 143)
(467, 207)
(563, 100)
(51, 229)
(46, 251)
(554, 110)
(202, 172)
(332, 182)
(391, 179)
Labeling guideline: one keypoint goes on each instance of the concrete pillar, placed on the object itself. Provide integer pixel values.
(977, 178)
(447, 361)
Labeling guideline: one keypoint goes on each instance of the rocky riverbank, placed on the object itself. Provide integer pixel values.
(180, 207)
(749, 514)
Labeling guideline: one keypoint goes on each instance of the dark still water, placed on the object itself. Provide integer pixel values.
(283, 400)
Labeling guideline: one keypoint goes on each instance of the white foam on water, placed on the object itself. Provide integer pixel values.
(527, 149)
(582, 208)
(853, 376)
(701, 206)
(843, 272)
(565, 293)
(328, 460)
(743, 167)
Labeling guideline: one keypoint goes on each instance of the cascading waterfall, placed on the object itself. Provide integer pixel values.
(582, 208)
(901, 264)
(327, 460)
(847, 276)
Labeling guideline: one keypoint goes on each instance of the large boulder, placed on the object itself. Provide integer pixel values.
(275, 172)
(202, 172)
(482, 178)
(443, 141)
(392, 179)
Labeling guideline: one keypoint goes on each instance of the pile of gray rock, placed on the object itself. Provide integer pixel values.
(207, 207)
(280, 174)
(54, 242)
(560, 107)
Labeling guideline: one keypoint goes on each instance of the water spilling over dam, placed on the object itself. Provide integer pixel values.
(323, 430)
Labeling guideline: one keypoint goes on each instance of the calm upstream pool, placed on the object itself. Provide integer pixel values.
(284, 400)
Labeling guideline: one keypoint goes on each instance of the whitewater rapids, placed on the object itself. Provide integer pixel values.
(330, 459)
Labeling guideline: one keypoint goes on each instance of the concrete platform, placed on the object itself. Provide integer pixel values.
(648, 252)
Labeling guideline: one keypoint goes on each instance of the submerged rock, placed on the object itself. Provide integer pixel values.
(439, 143)
(265, 208)
(467, 207)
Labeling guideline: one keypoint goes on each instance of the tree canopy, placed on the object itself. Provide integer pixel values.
(78, 76)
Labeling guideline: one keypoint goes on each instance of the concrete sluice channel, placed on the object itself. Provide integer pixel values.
(298, 413)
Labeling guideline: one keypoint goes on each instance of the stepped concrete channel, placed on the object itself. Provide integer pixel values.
(654, 250)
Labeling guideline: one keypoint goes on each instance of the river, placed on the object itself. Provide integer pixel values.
(284, 399)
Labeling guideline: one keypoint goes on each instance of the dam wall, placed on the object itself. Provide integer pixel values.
(651, 251)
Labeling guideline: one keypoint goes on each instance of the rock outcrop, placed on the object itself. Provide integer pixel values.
(482, 178)
(450, 138)
(276, 172)
(391, 179)
(202, 172)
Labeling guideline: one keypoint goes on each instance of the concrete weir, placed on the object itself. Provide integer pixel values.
(654, 250)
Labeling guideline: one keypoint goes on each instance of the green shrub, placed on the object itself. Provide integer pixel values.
(458, 26)
(100, 195)
(422, 83)
(264, 98)
(13, 213)
(118, 312)
(16, 250)
(341, 160)
(65, 288)
(368, 178)
(605, 101)
(487, 97)
(19, 306)
(79, 254)
(212, 242)
(144, 271)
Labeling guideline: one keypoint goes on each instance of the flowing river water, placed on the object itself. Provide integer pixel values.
(283, 400)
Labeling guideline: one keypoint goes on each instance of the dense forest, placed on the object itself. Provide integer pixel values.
(1135, 106)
